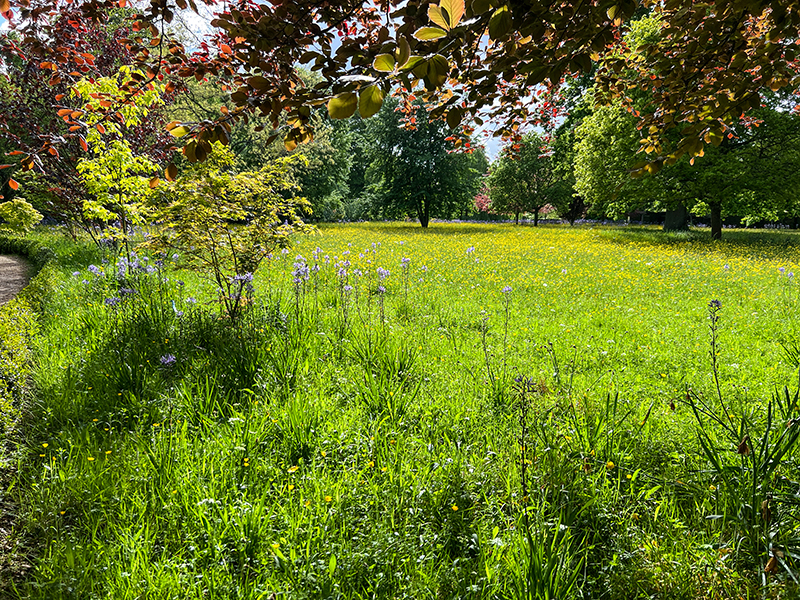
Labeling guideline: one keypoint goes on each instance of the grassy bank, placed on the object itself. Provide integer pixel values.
(466, 412)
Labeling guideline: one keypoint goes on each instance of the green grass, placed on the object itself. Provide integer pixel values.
(337, 443)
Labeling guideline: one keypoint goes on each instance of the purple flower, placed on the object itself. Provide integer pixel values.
(507, 289)
(347, 289)
(790, 274)
(727, 267)
(167, 360)
(715, 304)
(285, 251)
(383, 273)
(381, 289)
(127, 291)
(190, 300)
(405, 261)
(113, 301)
(471, 249)
(85, 282)
(247, 277)
(76, 274)
(342, 273)
(423, 268)
(95, 270)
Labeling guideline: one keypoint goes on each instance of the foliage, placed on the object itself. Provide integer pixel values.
(525, 178)
(415, 169)
(19, 216)
(226, 224)
(752, 174)
(119, 181)
(18, 325)
(34, 98)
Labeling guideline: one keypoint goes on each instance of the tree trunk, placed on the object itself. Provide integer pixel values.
(424, 216)
(716, 220)
(516, 218)
(677, 220)
(536, 216)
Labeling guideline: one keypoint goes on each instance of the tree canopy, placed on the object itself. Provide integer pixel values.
(477, 60)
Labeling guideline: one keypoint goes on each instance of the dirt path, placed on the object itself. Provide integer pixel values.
(14, 275)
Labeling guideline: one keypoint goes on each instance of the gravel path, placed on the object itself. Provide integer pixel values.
(13, 276)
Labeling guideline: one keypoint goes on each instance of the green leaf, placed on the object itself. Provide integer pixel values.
(425, 34)
(454, 116)
(384, 63)
(370, 100)
(342, 106)
(438, 69)
(500, 23)
(480, 6)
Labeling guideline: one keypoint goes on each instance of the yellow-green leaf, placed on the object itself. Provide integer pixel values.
(425, 34)
(403, 51)
(179, 131)
(342, 106)
(412, 63)
(435, 15)
(384, 63)
(455, 10)
(370, 100)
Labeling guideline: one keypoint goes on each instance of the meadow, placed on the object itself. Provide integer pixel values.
(470, 411)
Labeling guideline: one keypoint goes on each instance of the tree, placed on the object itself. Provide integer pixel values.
(118, 180)
(414, 167)
(525, 178)
(226, 223)
(38, 110)
(728, 52)
(753, 174)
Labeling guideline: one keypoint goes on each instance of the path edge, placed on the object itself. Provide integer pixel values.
(19, 320)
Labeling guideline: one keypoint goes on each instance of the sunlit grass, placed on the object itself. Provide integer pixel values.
(341, 441)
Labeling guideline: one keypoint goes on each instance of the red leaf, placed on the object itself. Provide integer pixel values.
(5, 6)
(100, 128)
(11, 183)
(84, 145)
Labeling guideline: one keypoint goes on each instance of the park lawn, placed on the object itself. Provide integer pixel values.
(355, 435)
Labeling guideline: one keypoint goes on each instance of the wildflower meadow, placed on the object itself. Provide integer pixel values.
(384, 411)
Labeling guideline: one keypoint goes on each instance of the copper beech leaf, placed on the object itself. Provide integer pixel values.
(5, 6)
(342, 106)
(425, 34)
(370, 100)
(172, 172)
(500, 23)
